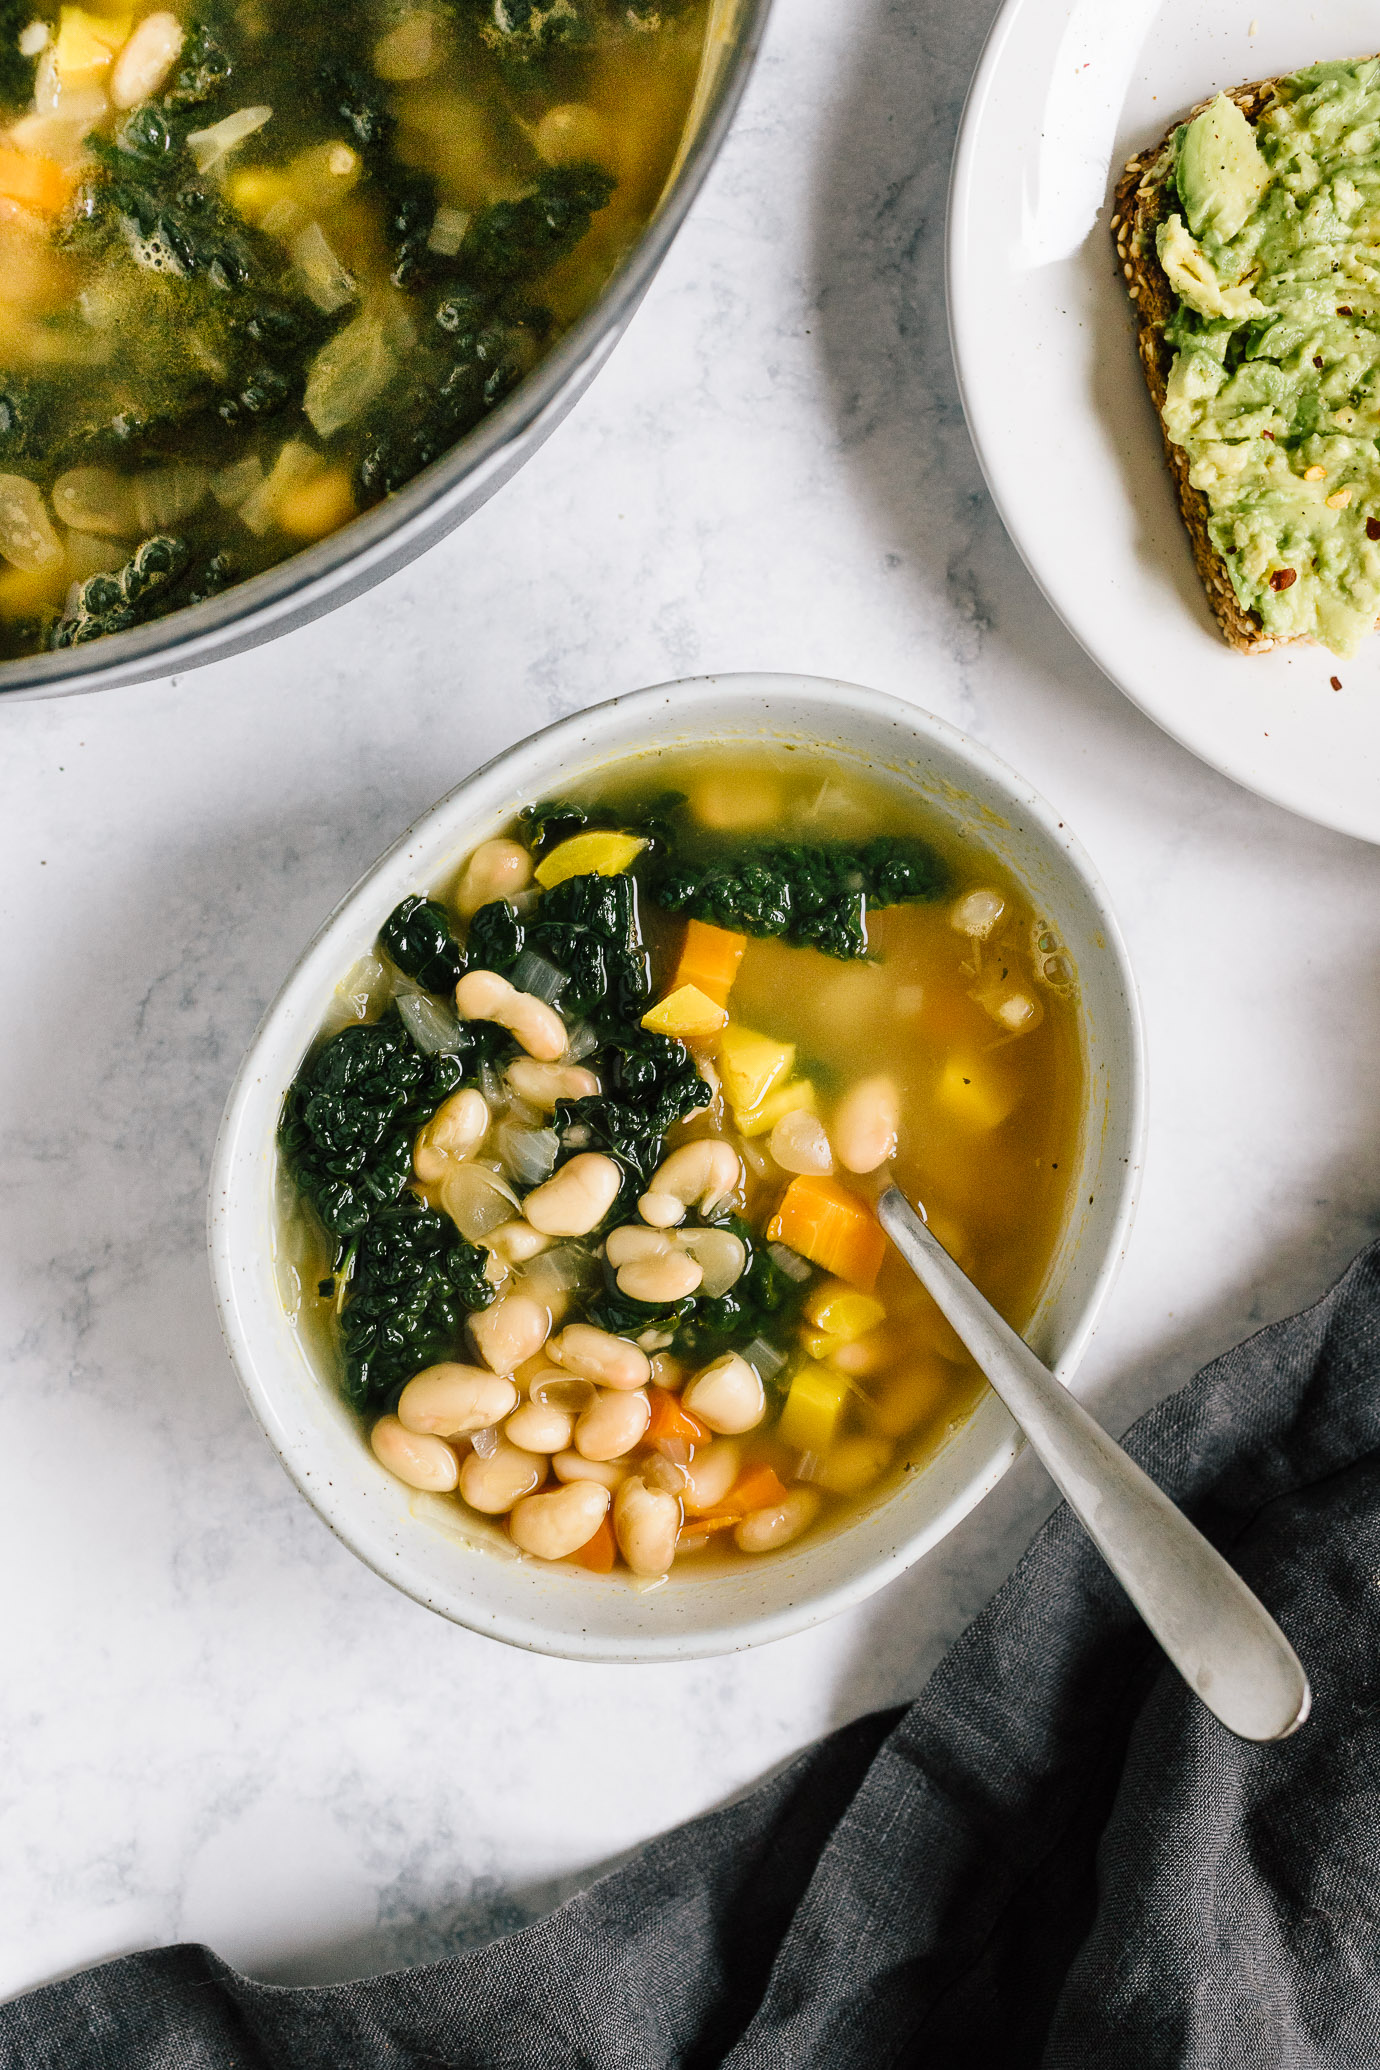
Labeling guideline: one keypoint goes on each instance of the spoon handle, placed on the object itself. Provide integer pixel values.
(1219, 1636)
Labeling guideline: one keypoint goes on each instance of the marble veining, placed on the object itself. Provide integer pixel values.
(217, 1725)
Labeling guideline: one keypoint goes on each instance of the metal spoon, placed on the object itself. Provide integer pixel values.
(1223, 1641)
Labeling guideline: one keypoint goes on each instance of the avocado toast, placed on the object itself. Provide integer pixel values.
(1249, 241)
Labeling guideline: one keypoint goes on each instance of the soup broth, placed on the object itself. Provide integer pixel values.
(651, 1170)
(260, 264)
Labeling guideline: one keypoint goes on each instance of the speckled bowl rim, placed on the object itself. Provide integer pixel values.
(805, 1585)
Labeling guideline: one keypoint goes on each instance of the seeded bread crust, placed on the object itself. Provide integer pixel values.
(1138, 210)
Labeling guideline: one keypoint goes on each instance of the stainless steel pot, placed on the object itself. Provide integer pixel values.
(442, 496)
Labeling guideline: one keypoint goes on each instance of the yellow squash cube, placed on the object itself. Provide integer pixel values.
(813, 1408)
(975, 1095)
(589, 855)
(841, 1311)
(798, 1097)
(750, 1065)
(86, 43)
(687, 1014)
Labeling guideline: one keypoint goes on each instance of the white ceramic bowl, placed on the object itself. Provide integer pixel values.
(427, 1547)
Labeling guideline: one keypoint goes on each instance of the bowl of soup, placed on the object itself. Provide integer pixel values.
(286, 292)
(543, 1213)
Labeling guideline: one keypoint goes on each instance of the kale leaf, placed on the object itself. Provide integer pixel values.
(811, 895)
(516, 240)
(526, 32)
(588, 927)
(417, 935)
(648, 1083)
(113, 603)
(763, 1303)
(496, 937)
(16, 70)
(351, 1115)
(205, 66)
(414, 1281)
(544, 826)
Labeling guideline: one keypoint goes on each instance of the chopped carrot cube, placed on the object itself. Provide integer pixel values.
(757, 1487)
(832, 1228)
(39, 183)
(709, 959)
(597, 1553)
(670, 1420)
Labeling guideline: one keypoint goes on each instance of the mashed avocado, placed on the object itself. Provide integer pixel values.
(1273, 254)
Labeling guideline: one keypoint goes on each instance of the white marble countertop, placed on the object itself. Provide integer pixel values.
(218, 1726)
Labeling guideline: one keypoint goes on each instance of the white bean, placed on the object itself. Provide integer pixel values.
(660, 1280)
(146, 59)
(493, 1484)
(517, 1242)
(710, 1475)
(512, 1329)
(977, 913)
(458, 1126)
(497, 869)
(423, 1462)
(704, 1174)
(720, 1255)
(609, 1473)
(766, 1529)
(611, 1425)
(645, 1523)
(630, 1241)
(539, 1427)
(668, 1372)
(728, 1395)
(553, 1526)
(482, 995)
(577, 1198)
(599, 1355)
(542, 1085)
(866, 1123)
(453, 1400)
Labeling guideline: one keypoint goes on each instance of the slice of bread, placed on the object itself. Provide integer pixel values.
(1138, 210)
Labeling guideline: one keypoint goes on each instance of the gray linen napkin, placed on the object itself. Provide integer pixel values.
(1054, 1857)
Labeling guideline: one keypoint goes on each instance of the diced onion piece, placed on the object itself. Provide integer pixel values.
(326, 280)
(27, 538)
(477, 1200)
(556, 1391)
(164, 496)
(529, 1154)
(532, 973)
(790, 1262)
(767, 1359)
(582, 1043)
(211, 147)
(799, 1144)
(348, 373)
(447, 232)
(146, 59)
(236, 483)
(434, 1030)
(296, 463)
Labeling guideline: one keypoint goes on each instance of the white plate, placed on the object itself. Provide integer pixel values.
(1067, 90)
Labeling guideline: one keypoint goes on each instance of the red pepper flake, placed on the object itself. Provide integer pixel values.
(1335, 681)
(1373, 528)
(1269, 435)
(1344, 311)
(1284, 578)
(1317, 363)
